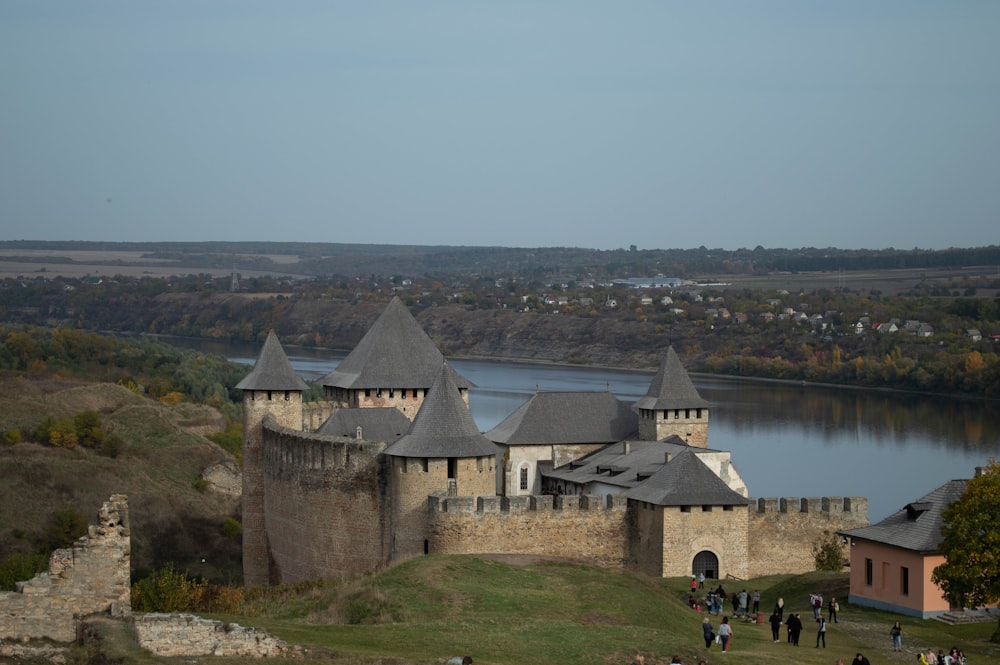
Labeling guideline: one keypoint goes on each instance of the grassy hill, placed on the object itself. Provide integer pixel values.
(529, 611)
(174, 517)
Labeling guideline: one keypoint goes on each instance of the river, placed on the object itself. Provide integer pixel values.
(786, 439)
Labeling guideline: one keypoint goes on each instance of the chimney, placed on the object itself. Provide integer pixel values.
(359, 432)
(666, 458)
(626, 447)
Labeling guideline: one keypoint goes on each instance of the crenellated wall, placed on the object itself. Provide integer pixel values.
(325, 505)
(784, 530)
(583, 528)
(91, 577)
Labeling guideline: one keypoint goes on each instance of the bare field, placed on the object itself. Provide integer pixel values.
(85, 263)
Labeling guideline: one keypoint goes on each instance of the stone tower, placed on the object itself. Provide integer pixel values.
(392, 366)
(272, 389)
(672, 406)
(443, 452)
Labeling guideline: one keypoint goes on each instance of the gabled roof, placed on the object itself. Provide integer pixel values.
(443, 427)
(272, 371)
(686, 481)
(394, 353)
(917, 525)
(377, 424)
(632, 465)
(671, 388)
(567, 417)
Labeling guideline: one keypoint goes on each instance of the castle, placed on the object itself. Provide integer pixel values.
(395, 467)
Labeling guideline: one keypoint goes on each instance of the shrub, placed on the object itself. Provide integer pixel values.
(12, 436)
(61, 530)
(828, 552)
(59, 432)
(19, 567)
(89, 430)
(232, 529)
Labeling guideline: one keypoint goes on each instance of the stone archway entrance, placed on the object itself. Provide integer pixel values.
(705, 562)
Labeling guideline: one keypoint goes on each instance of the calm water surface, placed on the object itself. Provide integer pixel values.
(786, 440)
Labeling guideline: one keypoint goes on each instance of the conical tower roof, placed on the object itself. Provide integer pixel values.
(394, 353)
(272, 371)
(671, 388)
(444, 426)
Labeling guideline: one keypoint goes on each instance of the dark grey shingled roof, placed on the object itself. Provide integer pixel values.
(443, 427)
(916, 526)
(671, 388)
(377, 424)
(394, 353)
(686, 481)
(272, 371)
(567, 417)
(631, 464)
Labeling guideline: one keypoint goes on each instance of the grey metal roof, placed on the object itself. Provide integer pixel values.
(686, 481)
(671, 388)
(443, 427)
(917, 525)
(567, 417)
(394, 353)
(272, 371)
(377, 424)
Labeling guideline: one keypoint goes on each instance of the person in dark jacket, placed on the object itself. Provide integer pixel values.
(775, 625)
(708, 632)
(796, 628)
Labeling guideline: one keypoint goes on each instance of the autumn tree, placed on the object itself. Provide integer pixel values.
(970, 574)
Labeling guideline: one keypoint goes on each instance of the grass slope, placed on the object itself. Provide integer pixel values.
(159, 468)
(432, 608)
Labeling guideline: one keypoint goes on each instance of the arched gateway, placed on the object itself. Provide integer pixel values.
(705, 562)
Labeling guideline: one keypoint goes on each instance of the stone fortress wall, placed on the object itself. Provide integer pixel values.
(324, 505)
(784, 530)
(93, 576)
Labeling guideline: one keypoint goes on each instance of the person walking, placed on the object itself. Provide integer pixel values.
(779, 607)
(821, 632)
(725, 633)
(756, 601)
(701, 580)
(707, 632)
(860, 660)
(775, 625)
(833, 606)
(896, 633)
(796, 620)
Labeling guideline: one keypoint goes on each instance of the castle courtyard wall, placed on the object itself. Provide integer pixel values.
(588, 528)
(324, 502)
(784, 530)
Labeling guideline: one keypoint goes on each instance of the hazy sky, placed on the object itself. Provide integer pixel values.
(527, 124)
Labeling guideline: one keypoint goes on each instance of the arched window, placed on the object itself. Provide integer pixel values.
(705, 562)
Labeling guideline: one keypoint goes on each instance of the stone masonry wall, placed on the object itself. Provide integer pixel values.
(784, 530)
(583, 528)
(722, 532)
(172, 635)
(324, 504)
(91, 577)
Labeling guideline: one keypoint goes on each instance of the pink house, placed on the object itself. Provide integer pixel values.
(892, 561)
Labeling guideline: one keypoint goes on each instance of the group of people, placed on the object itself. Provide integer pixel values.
(744, 603)
(954, 657)
(724, 637)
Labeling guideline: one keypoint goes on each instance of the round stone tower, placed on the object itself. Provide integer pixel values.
(272, 389)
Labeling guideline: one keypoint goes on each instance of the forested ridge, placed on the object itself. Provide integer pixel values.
(822, 335)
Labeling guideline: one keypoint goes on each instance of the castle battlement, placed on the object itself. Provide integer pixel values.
(289, 448)
(545, 503)
(833, 505)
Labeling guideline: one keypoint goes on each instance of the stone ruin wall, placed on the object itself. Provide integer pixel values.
(588, 528)
(324, 505)
(93, 576)
(186, 635)
(784, 530)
